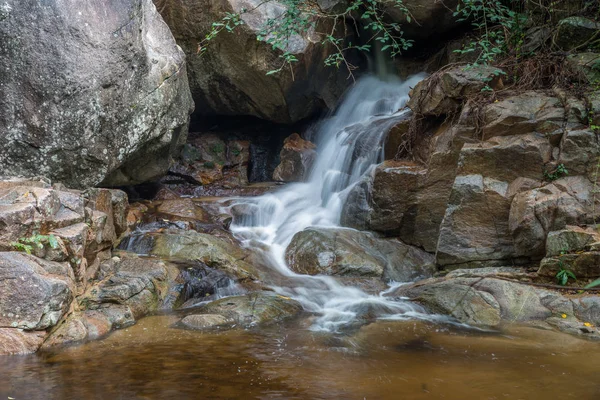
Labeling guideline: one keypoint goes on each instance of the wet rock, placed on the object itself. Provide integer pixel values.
(114, 115)
(198, 282)
(254, 308)
(389, 210)
(224, 80)
(445, 94)
(575, 31)
(297, 157)
(488, 301)
(15, 341)
(34, 293)
(139, 283)
(211, 250)
(346, 252)
(90, 325)
(204, 321)
(484, 297)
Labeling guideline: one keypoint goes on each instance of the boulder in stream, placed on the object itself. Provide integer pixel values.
(352, 253)
(251, 309)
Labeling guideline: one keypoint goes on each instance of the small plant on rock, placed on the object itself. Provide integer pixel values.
(556, 173)
(563, 275)
(35, 241)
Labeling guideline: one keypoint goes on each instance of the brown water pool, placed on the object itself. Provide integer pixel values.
(384, 360)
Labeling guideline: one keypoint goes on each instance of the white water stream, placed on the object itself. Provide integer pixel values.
(349, 144)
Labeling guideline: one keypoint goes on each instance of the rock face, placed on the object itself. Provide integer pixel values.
(69, 234)
(350, 253)
(297, 157)
(488, 187)
(230, 78)
(91, 93)
(84, 225)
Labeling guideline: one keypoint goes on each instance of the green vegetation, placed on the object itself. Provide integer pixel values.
(301, 16)
(556, 173)
(27, 244)
(209, 165)
(562, 276)
(499, 27)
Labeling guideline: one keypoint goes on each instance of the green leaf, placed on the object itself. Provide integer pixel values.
(53, 241)
(593, 284)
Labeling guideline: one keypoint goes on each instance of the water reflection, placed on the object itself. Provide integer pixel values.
(384, 360)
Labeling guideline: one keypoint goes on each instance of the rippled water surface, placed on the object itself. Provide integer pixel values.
(384, 360)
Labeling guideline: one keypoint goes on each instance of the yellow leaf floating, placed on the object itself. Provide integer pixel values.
(564, 315)
(587, 324)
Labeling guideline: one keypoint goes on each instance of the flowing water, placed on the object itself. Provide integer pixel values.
(350, 144)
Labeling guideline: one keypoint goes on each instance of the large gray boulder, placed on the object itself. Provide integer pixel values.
(90, 92)
(230, 77)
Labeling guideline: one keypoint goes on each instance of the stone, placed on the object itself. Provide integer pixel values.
(211, 250)
(583, 265)
(574, 32)
(254, 308)
(195, 283)
(351, 253)
(15, 341)
(507, 158)
(212, 159)
(204, 321)
(139, 283)
(475, 227)
(182, 209)
(34, 293)
(479, 301)
(297, 157)
(523, 113)
(535, 213)
(111, 116)
(570, 240)
(230, 76)
(445, 94)
(585, 64)
(579, 151)
(391, 210)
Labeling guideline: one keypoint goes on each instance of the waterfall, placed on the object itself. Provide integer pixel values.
(350, 145)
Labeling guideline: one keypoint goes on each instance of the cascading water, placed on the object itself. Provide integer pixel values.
(350, 144)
